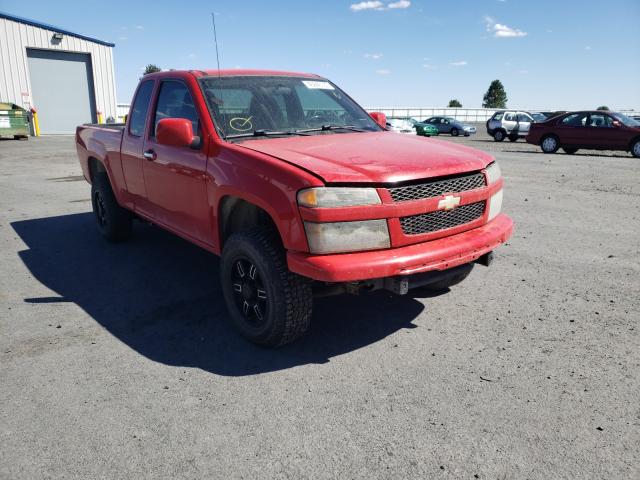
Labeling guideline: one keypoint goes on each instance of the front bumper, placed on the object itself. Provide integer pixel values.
(440, 254)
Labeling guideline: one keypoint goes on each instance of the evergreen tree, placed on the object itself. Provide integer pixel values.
(495, 97)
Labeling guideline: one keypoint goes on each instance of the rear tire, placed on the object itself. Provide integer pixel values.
(549, 144)
(569, 151)
(498, 136)
(454, 132)
(114, 222)
(268, 304)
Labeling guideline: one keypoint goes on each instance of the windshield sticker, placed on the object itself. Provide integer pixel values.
(241, 124)
(315, 85)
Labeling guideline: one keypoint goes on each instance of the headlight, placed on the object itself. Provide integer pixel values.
(493, 172)
(337, 197)
(342, 237)
(495, 205)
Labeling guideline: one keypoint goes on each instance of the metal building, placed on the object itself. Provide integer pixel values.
(68, 78)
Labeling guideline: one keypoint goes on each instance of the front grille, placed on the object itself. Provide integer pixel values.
(436, 188)
(441, 219)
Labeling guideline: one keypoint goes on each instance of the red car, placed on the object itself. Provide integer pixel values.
(592, 130)
(298, 189)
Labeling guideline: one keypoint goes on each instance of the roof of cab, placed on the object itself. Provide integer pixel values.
(234, 73)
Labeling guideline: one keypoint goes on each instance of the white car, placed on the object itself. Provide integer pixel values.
(401, 125)
(509, 124)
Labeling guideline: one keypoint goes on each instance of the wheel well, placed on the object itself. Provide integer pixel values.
(95, 167)
(236, 214)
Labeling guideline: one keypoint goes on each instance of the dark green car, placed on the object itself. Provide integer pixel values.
(424, 129)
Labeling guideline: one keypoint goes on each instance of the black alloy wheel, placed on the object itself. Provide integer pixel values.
(250, 293)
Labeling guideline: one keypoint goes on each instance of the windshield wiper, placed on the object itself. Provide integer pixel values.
(325, 128)
(265, 133)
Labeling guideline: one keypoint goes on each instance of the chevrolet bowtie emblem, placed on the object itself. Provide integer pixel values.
(448, 203)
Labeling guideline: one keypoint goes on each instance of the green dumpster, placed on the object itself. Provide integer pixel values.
(14, 121)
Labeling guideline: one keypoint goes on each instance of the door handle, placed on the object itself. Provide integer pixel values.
(150, 155)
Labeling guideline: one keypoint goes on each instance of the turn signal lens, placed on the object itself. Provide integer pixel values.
(337, 197)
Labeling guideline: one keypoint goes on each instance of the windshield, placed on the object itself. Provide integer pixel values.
(246, 105)
(629, 122)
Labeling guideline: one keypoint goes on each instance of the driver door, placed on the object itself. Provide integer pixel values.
(175, 177)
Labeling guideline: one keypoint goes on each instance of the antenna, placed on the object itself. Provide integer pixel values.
(215, 38)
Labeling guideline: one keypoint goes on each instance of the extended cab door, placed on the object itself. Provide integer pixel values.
(175, 177)
(133, 144)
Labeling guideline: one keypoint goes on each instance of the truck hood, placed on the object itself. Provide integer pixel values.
(375, 157)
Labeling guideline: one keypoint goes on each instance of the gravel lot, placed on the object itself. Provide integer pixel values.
(117, 361)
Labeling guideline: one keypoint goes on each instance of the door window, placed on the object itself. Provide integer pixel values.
(523, 117)
(600, 120)
(139, 109)
(175, 101)
(575, 120)
(510, 117)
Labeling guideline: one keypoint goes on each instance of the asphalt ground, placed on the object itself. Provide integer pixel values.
(118, 361)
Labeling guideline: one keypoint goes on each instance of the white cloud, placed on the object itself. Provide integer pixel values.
(399, 4)
(587, 48)
(500, 30)
(461, 63)
(370, 5)
(523, 72)
(428, 66)
(139, 27)
(383, 71)
(123, 38)
(192, 55)
(373, 56)
(377, 5)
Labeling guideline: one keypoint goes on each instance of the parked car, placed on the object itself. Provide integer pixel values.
(451, 125)
(511, 124)
(594, 130)
(298, 189)
(425, 129)
(538, 116)
(400, 125)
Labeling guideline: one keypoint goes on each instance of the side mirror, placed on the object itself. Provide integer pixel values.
(617, 123)
(176, 132)
(380, 118)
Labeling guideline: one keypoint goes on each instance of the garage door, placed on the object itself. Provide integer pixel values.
(62, 89)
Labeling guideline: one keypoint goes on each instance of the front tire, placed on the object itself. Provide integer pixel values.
(268, 304)
(114, 222)
(549, 144)
(498, 136)
(635, 149)
(454, 132)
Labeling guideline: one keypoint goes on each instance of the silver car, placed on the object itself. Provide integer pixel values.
(509, 124)
(452, 126)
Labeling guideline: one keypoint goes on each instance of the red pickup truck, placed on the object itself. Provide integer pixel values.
(299, 190)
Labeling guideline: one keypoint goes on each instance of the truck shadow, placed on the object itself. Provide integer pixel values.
(160, 295)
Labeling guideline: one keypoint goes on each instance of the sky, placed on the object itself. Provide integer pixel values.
(549, 54)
